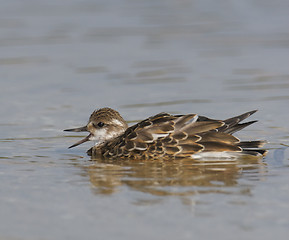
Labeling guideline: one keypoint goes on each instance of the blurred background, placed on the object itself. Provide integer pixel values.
(60, 60)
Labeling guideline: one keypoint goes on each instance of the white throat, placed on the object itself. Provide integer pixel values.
(102, 135)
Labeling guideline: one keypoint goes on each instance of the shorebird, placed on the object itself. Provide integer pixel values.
(166, 136)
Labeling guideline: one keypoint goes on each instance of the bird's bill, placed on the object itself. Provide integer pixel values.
(80, 129)
(81, 141)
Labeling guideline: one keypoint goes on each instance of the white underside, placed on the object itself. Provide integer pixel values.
(223, 155)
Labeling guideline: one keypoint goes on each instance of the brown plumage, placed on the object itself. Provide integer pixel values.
(166, 136)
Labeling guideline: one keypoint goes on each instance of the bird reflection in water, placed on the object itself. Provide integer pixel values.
(182, 177)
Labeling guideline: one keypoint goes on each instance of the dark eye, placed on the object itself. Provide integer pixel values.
(100, 124)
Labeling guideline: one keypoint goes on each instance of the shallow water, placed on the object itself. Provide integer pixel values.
(61, 60)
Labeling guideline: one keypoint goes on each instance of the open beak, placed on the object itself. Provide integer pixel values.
(81, 141)
(81, 129)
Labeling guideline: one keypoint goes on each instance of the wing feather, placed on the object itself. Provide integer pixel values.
(219, 137)
(220, 147)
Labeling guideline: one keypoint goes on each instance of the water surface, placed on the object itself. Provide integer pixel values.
(60, 60)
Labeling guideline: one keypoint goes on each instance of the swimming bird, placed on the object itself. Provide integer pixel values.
(166, 136)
